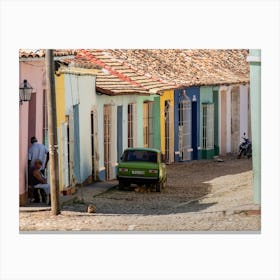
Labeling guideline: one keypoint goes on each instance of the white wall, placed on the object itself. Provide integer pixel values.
(81, 90)
(115, 101)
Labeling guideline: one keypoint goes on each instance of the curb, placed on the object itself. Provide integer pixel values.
(34, 209)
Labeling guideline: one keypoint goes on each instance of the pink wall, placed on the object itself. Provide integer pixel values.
(34, 72)
(23, 144)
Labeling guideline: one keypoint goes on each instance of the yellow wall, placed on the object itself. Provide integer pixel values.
(60, 115)
(167, 95)
(60, 99)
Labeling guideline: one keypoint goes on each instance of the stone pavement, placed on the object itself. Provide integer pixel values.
(86, 193)
(83, 195)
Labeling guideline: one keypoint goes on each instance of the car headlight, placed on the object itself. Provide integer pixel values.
(153, 171)
(122, 169)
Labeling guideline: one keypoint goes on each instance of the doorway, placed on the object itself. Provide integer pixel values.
(92, 144)
(65, 154)
(32, 116)
(167, 127)
(194, 130)
(185, 127)
(119, 132)
(235, 119)
(148, 124)
(107, 126)
(76, 143)
(223, 119)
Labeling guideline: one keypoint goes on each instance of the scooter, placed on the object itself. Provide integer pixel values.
(245, 148)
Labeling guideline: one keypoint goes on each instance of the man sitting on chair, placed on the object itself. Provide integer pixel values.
(39, 181)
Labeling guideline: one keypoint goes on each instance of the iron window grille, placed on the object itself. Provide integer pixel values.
(184, 125)
(208, 126)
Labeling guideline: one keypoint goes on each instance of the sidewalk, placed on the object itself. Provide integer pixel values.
(86, 193)
(83, 194)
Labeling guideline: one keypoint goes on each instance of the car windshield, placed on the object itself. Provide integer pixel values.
(139, 155)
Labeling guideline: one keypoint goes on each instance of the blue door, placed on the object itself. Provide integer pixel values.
(119, 131)
(76, 143)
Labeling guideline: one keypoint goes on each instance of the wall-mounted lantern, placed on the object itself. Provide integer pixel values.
(25, 91)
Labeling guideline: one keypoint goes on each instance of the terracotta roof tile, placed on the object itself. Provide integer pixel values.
(154, 70)
(146, 71)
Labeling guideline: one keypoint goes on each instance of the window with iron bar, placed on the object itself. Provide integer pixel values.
(208, 126)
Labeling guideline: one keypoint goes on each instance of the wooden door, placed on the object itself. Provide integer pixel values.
(223, 147)
(146, 124)
(151, 129)
(119, 132)
(65, 155)
(32, 117)
(107, 126)
(235, 120)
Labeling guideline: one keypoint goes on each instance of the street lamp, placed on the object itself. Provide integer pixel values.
(25, 91)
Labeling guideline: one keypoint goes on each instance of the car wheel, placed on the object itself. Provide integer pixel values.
(158, 187)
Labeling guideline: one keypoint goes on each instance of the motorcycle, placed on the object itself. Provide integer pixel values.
(245, 148)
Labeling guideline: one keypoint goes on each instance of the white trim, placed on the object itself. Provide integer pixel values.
(253, 58)
(101, 169)
(77, 71)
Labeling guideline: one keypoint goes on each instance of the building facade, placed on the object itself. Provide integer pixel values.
(32, 118)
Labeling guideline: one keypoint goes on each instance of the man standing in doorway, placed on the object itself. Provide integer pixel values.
(38, 151)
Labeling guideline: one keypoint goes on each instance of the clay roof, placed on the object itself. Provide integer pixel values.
(119, 77)
(146, 71)
(154, 70)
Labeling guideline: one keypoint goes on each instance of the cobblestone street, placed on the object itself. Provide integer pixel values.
(200, 196)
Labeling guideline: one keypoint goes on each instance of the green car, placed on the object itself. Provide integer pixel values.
(142, 166)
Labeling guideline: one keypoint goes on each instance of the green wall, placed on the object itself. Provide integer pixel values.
(255, 96)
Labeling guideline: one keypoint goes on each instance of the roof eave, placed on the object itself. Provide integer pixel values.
(42, 58)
